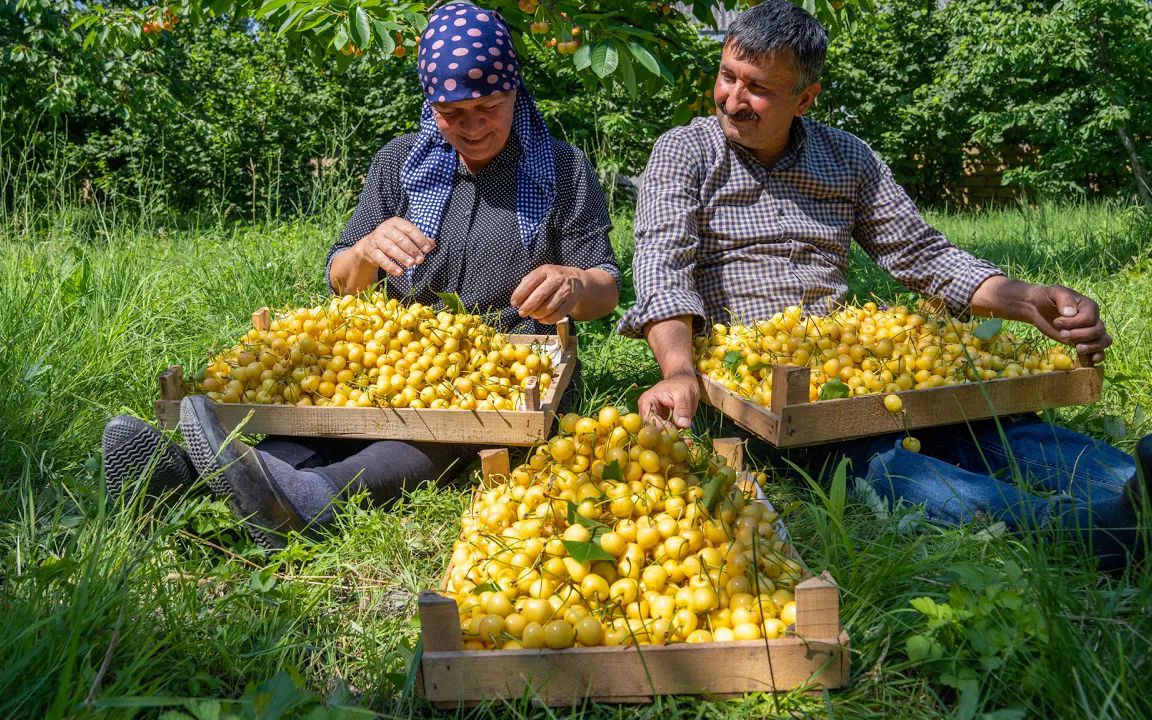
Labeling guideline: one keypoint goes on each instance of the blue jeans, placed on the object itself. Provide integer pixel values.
(1044, 475)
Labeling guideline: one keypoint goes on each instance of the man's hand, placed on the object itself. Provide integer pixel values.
(671, 401)
(1071, 318)
(394, 246)
(549, 293)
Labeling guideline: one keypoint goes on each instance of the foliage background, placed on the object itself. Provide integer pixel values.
(224, 115)
(923, 83)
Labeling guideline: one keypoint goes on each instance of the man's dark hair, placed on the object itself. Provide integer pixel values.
(775, 25)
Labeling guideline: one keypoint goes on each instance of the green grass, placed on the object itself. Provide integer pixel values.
(120, 611)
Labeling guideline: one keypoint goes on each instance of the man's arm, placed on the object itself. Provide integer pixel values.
(675, 398)
(668, 305)
(1057, 311)
(892, 231)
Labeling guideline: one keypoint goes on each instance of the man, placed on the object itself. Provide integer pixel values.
(754, 210)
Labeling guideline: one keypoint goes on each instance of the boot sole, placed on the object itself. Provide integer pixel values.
(131, 448)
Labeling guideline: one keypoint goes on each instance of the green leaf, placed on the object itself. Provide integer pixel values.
(583, 57)
(312, 19)
(340, 39)
(627, 73)
(384, 37)
(732, 361)
(575, 518)
(927, 606)
(645, 58)
(452, 303)
(989, 329)
(483, 587)
(612, 471)
(270, 7)
(713, 493)
(290, 20)
(583, 552)
(919, 648)
(263, 581)
(417, 20)
(605, 59)
(834, 389)
(361, 33)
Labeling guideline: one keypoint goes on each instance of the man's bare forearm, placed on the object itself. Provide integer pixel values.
(671, 343)
(1004, 297)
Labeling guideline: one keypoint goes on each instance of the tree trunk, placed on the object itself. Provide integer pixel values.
(1143, 187)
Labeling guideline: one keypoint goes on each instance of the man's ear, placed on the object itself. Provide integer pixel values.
(807, 97)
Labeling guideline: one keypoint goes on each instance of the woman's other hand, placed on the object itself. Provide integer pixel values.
(549, 293)
(395, 246)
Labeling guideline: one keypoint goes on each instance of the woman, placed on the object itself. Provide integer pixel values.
(483, 202)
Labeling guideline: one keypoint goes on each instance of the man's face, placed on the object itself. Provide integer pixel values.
(756, 102)
(479, 128)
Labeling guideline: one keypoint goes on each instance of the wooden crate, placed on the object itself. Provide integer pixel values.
(794, 421)
(814, 654)
(482, 427)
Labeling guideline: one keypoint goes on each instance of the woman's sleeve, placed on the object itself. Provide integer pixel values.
(374, 207)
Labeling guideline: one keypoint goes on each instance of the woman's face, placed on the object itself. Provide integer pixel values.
(479, 128)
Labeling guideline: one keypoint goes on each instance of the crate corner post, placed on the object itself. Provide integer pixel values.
(818, 608)
(494, 464)
(439, 622)
(732, 450)
(262, 319)
(167, 407)
(789, 386)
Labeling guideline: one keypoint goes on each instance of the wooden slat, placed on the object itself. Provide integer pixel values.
(494, 466)
(812, 423)
(479, 427)
(752, 417)
(629, 674)
(830, 420)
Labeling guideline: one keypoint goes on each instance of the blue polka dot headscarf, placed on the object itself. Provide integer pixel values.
(466, 52)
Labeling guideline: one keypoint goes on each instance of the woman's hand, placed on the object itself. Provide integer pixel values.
(549, 293)
(394, 246)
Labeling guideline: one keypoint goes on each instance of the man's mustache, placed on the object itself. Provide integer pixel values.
(742, 116)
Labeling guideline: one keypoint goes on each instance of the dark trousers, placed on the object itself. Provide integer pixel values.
(384, 468)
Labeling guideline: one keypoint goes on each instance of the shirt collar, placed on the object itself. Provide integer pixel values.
(797, 140)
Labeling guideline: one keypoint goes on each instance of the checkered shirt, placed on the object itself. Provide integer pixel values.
(721, 237)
